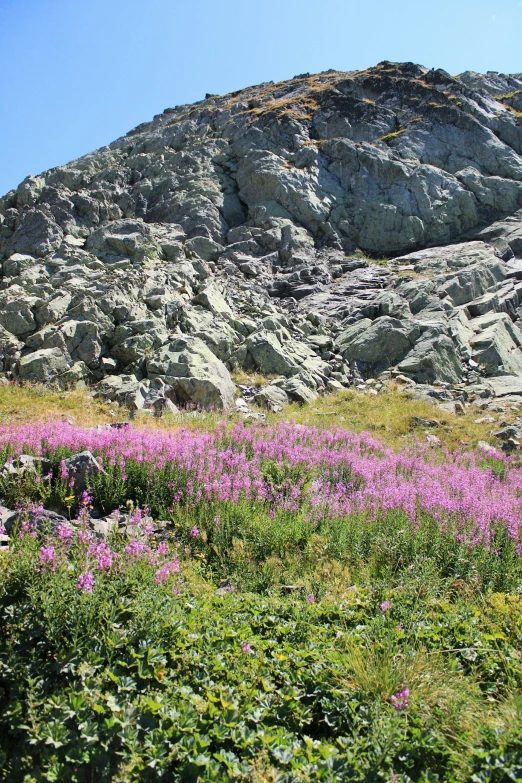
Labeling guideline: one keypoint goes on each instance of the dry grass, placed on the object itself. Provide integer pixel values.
(256, 379)
(24, 404)
(390, 417)
(508, 95)
(391, 136)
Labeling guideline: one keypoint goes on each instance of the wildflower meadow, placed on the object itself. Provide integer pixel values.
(258, 602)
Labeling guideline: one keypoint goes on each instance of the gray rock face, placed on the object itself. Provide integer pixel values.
(43, 520)
(79, 467)
(194, 373)
(433, 360)
(43, 366)
(271, 397)
(37, 233)
(238, 233)
(383, 342)
(124, 389)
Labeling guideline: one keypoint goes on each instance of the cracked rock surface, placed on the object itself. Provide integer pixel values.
(238, 233)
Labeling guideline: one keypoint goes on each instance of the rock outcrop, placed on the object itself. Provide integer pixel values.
(238, 233)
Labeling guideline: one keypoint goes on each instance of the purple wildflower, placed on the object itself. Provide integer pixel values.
(65, 532)
(400, 700)
(103, 555)
(86, 582)
(137, 549)
(84, 535)
(47, 557)
(163, 573)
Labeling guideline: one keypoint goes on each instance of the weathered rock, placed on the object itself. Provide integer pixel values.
(81, 340)
(234, 223)
(511, 431)
(212, 299)
(383, 342)
(126, 390)
(497, 348)
(42, 520)
(205, 248)
(124, 239)
(215, 332)
(297, 390)
(194, 373)
(80, 467)
(16, 313)
(271, 397)
(433, 360)
(7, 518)
(36, 234)
(75, 377)
(25, 463)
(53, 309)
(159, 405)
(287, 358)
(43, 366)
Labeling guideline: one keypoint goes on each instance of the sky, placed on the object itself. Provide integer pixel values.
(77, 74)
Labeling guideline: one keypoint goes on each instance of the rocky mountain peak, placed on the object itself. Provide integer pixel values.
(238, 233)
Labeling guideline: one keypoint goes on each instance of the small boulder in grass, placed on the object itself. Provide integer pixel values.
(511, 431)
(39, 519)
(292, 589)
(7, 518)
(26, 463)
(418, 421)
(79, 466)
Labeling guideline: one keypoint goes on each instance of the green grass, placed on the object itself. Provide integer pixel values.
(135, 683)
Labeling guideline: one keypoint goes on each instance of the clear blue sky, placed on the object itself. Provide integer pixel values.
(76, 74)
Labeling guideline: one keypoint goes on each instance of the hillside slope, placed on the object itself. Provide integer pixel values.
(237, 233)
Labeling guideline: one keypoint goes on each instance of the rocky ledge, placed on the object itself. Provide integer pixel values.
(238, 234)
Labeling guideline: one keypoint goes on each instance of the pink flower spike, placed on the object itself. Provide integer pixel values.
(400, 700)
(47, 557)
(65, 532)
(311, 598)
(86, 582)
(246, 648)
(385, 606)
(195, 532)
